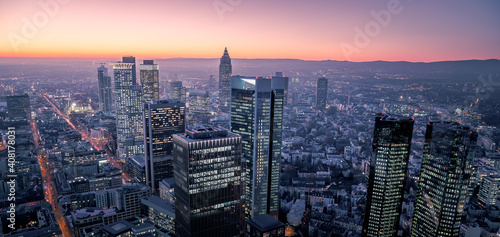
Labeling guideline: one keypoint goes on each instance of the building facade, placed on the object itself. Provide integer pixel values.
(149, 76)
(257, 116)
(209, 183)
(177, 91)
(225, 71)
(105, 92)
(489, 191)
(387, 177)
(449, 151)
(129, 123)
(18, 107)
(321, 93)
(162, 119)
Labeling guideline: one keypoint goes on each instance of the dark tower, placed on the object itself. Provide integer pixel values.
(449, 150)
(389, 162)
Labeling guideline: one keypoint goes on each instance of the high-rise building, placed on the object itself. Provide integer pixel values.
(489, 191)
(18, 107)
(131, 59)
(449, 150)
(105, 96)
(129, 124)
(321, 93)
(149, 80)
(209, 183)
(389, 163)
(212, 83)
(257, 116)
(162, 119)
(285, 81)
(225, 71)
(199, 106)
(177, 91)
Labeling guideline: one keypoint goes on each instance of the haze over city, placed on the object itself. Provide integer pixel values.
(245, 118)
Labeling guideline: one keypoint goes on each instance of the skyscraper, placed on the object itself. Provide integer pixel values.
(444, 179)
(149, 80)
(162, 119)
(177, 91)
(285, 81)
(225, 71)
(257, 115)
(131, 59)
(105, 96)
(18, 107)
(389, 162)
(129, 101)
(321, 93)
(209, 183)
(199, 106)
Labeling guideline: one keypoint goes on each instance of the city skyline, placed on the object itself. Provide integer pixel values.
(329, 32)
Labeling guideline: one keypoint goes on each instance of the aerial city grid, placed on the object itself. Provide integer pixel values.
(241, 118)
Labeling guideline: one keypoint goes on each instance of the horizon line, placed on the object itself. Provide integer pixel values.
(309, 60)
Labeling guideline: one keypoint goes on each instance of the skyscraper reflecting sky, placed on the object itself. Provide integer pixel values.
(257, 116)
(389, 162)
(444, 180)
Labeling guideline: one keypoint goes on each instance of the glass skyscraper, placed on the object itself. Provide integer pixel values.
(177, 91)
(209, 183)
(105, 96)
(225, 71)
(162, 119)
(321, 93)
(199, 106)
(389, 163)
(149, 80)
(129, 124)
(445, 175)
(257, 116)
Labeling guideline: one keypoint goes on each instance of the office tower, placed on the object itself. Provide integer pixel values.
(149, 80)
(162, 119)
(128, 96)
(257, 115)
(105, 95)
(199, 106)
(449, 150)
(388, 165)
(225, 71)
(285, 81)
(18, 107)
(489, 191)
(212, 83)
(131, 59)
(321, 93)
(209, 183)
(177, 91)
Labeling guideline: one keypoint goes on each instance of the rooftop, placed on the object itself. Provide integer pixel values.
(265, 223)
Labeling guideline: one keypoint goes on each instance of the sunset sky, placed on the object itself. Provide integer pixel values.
(418, 30)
